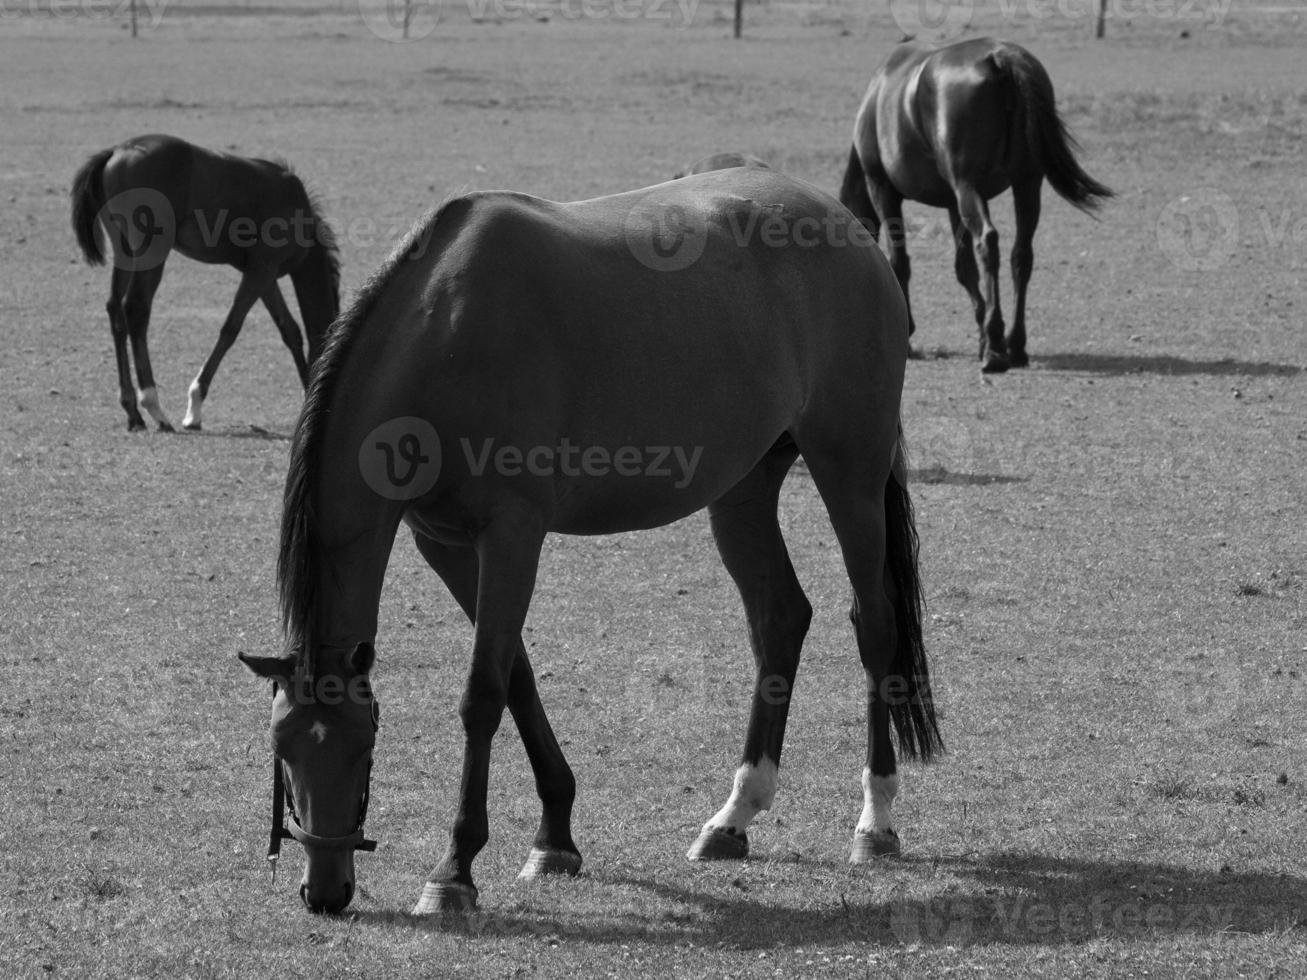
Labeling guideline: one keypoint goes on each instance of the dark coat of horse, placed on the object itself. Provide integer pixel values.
(154, 194)
(953, 127)
(523, 367)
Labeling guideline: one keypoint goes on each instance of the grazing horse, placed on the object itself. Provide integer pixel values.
(154, 194)
(953, 127)
(521, 367)
(721, 161)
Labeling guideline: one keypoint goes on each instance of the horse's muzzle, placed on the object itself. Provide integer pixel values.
(328, 900)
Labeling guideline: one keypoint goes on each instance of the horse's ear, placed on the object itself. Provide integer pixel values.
(273, 668)
(363, 658)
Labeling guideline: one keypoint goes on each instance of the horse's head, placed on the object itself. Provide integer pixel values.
(324, 725)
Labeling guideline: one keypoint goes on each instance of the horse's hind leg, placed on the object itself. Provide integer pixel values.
(118, 327)
(252, 286)
(889, 204)
(974, 213)
(749, 539)
(964, 264)
(553, 850)
(137, 303)
(1025, 199)
(872, 519)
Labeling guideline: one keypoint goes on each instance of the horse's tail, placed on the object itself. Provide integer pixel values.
(88, 199)
(853, 191)
(911, 707)
(1050, 141)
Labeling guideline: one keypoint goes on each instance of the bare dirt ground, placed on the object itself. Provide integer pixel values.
(1113, 541)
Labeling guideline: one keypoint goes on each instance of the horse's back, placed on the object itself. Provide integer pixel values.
(744, 249)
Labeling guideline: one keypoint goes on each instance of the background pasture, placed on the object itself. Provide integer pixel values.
(1113, 541)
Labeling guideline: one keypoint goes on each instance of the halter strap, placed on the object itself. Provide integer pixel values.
(283, 805)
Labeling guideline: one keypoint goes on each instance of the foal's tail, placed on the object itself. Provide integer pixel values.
(88, 199)
(911, 707)
(1050, 141)
(853, 191)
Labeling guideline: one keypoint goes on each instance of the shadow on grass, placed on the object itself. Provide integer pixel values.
(938, 475)
(1117, 364)
(1014, 900)
(251, 432)
(942, 475)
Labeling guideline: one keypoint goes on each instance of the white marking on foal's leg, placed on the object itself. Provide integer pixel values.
(878, 794)
(753, 792)
(149, 399)
(194, 406)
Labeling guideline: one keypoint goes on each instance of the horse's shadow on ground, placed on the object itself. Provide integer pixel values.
(249, 432)
(1014, 899)
(1120, 364)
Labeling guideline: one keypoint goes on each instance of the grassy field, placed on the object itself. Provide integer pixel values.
(1113, 542)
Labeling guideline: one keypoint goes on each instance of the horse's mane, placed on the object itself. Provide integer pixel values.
(297, 559)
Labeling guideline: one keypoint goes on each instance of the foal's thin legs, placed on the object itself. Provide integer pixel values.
(252, 286)
(289, 329)
(749, 540)
(136, 305)
(118, 328)
(554, 850)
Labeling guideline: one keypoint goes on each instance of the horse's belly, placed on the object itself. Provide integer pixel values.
(636, 487)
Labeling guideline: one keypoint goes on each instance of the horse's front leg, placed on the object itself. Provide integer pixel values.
(508, 552)
(553, 850)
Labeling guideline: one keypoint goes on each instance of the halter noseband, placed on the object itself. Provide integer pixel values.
(283, 803)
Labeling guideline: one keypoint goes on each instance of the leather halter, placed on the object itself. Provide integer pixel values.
(283, 805)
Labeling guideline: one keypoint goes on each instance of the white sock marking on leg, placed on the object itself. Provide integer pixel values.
(753, 792)
(878, 794)
(194, 406)
(149, 399)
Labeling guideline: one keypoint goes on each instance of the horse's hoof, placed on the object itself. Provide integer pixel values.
(550, 861)
(868, 847)
(192, 426)
(166, 427)
(719, 845)
(1018, 358)
(446, 896)
(135, 425)
(995, 363)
